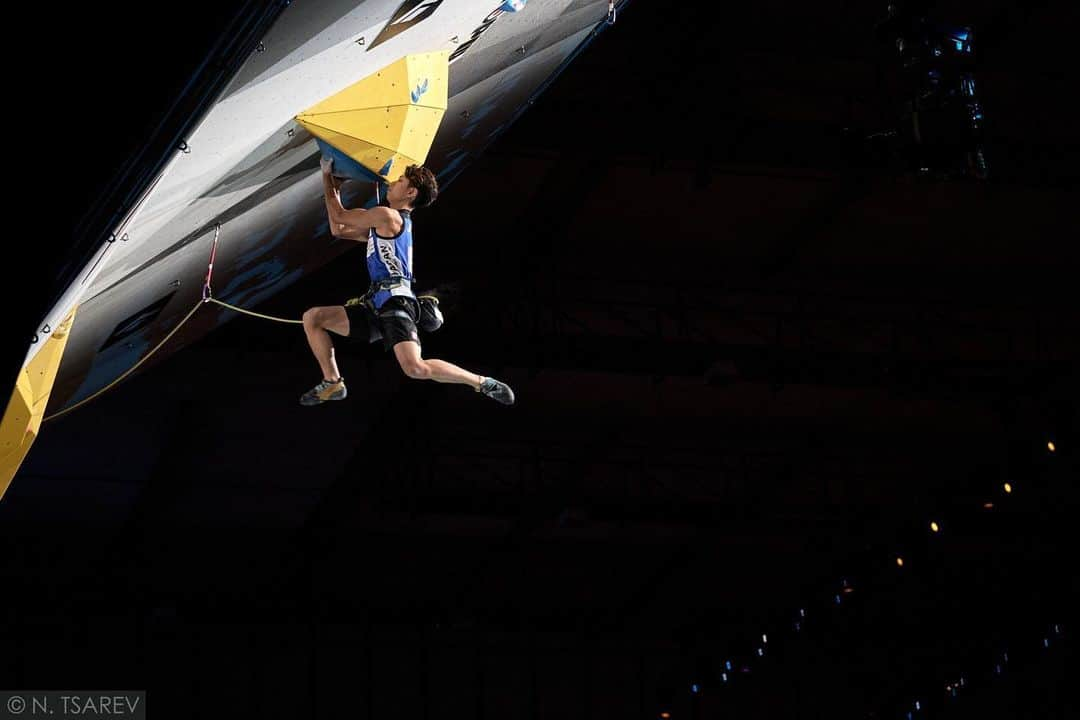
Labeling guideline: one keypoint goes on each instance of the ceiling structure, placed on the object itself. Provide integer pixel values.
(754, 357)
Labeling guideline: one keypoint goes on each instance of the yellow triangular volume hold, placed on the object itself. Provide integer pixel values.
(391, 116)
(22, 419)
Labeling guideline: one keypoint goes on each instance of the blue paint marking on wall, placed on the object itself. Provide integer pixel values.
(455, 163)
(260, 275)
(418, 93)
(267, 277)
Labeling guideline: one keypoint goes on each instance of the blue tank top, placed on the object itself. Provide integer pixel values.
(391, 258)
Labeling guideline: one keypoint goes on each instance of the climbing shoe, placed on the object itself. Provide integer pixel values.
(325, 390)
(496, 391)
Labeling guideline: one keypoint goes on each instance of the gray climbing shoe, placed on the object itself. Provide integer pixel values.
(497, 391)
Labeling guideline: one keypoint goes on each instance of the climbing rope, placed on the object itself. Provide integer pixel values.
(255, 314)
(207, 297)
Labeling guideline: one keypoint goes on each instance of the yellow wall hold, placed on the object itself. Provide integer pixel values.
(22, 419)
(392, 115)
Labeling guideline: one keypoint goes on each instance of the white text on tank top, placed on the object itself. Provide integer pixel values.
(391, 257)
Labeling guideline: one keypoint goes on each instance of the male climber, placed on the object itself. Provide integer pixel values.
(389, 303)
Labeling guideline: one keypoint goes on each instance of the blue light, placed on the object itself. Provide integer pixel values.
(917, 706)
(760, 652)
(728, 665)
(695, 689)
(837, 599)
(1046, 642)
(960, 40)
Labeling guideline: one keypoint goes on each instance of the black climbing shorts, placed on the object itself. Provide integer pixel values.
(396, 322)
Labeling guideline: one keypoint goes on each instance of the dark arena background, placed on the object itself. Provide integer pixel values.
(788, 296)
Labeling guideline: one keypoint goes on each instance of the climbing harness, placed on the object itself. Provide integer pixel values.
(429, 317)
